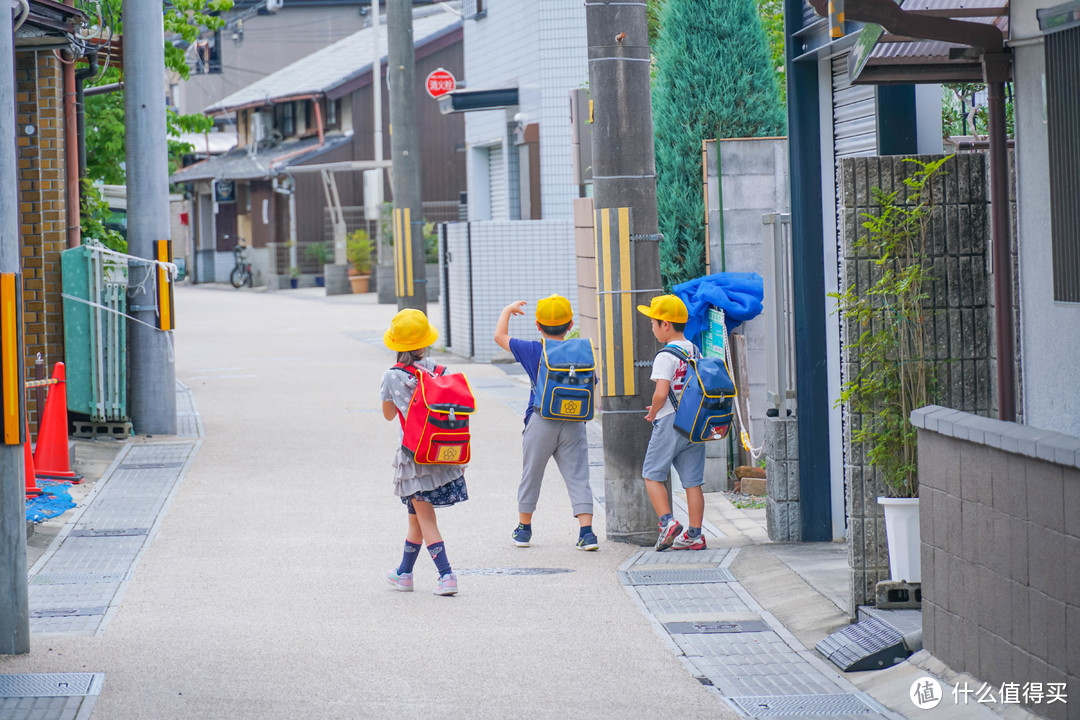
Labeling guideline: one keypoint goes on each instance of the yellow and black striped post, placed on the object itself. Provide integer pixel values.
(166, 309)
(614, 288)
(403, 253)
(12, 402)
(836, 19)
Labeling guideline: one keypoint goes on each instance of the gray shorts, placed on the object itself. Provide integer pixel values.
(668, 448)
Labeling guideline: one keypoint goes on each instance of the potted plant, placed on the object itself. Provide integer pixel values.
(888, 332)
(294, 277)
(359, 249)
(318, 253)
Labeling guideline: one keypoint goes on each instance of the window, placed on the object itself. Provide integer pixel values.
(285, 119)
(481, 10)
(332, 112)
(1063, 136)
(208, 55)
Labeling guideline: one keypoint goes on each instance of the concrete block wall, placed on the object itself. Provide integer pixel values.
(1000, 528)
(495, 263)
(782, 509)
(960, 342)
(42, 206)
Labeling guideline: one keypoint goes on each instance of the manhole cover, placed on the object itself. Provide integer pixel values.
(677, 576)
(512, 571)
(707, 628)
(759, 706)
(50, 685)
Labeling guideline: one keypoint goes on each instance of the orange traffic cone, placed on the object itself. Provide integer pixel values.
(28, 463)
(51, 457)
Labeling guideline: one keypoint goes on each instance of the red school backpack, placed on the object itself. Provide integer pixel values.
(435, 427)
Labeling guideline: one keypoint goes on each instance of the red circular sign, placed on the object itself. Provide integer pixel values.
(440, 82)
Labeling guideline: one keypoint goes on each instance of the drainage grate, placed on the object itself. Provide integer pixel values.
(867, 645)
(511, 571)
(150, 466)
(705, 628)
(793, 705)
(118, 532)
(79, 578)
(50, 685)
(679, 576)
(68, 612)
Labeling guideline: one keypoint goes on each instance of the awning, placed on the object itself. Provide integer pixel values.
(879, 58)
(239, 164)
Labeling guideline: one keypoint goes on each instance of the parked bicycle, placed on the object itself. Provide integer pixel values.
(241, 274)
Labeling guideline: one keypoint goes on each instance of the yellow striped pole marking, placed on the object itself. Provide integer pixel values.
(399, 269)
(163, 252)
(627, 303)
(609, 310)
(408, 253)
(10, 382)
(601, 369)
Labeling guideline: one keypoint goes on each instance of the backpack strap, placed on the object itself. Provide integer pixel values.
(678, 352)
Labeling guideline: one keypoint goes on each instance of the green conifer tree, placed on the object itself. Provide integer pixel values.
(714, 78)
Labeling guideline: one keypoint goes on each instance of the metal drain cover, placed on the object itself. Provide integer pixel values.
(68, 612)
(511, 571)
(679, 576)
(50, 685)
(705, 628)
(150, 466)
(869, 644)
(79, 578)
(118, 532)
(792, 705)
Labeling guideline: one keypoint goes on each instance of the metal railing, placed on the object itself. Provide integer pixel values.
(779, 313)
(356, 218)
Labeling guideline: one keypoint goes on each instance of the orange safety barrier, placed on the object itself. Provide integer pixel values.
(51, 457)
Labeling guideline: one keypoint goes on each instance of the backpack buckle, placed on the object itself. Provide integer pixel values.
(452, 418)
(573, 372)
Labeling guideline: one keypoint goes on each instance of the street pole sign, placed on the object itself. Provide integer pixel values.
(440, 82)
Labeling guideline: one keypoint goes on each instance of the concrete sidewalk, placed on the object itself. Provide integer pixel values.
(248, 582)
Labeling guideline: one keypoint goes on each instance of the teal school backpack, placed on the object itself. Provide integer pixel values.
(565, 380)
(705, 407)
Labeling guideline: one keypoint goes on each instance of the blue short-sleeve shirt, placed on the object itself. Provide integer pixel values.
(528, 352)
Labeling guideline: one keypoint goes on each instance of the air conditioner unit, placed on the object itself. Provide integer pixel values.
(274, 5)
(261, 126)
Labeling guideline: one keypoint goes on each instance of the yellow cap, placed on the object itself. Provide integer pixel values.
(554, 311)
(410, 330)
(665, 307)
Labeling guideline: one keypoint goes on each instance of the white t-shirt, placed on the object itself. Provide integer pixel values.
(668, 367)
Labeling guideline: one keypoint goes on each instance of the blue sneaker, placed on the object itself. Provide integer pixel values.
(588, 542)
(522, 536)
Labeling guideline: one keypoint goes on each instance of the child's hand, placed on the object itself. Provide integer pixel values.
(651, 415)
(515, 307)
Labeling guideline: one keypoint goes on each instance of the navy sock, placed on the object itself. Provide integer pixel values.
(525, 526)
(693, 532)
(438, 554)
(585, 530)
(408, 558)
(664, 518)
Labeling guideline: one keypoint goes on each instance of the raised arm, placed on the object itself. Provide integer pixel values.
(502, 328)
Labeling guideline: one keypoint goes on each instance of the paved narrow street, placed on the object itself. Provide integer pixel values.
(262, 593)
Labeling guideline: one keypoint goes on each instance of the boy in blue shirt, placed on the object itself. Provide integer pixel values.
(667, 448)
(545, 438)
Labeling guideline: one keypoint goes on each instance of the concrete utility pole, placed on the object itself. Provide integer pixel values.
(153, 372)
(14, 598)
(624, 176)
(405, 152)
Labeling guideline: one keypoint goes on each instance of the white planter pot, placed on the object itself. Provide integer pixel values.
(902, 532)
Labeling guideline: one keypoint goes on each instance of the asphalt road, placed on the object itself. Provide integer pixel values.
(263, 594)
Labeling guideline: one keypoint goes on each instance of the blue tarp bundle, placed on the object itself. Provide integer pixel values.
(739, 295)
(54, 500)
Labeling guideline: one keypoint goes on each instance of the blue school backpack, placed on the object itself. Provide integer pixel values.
(565, 380)
(704, 408)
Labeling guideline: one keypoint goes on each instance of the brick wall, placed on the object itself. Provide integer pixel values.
(960, 331)
(42, 205)
(1000, 527)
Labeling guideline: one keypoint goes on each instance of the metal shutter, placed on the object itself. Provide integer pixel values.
(854, 114)
(1063, 130)
(500, 209)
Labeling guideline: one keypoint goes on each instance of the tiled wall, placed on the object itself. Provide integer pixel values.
(1000, 526)
(541, 49)
(495, 263)
(42, 205)
(958, 237)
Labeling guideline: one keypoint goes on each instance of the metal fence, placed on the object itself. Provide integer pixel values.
(779, 313)
(356, 218)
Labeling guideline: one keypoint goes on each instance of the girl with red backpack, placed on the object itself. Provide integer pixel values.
(422, 487)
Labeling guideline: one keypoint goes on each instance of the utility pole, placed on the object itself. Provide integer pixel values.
(410, 275)
(14, 597)
(153, 371)
(624, 176)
